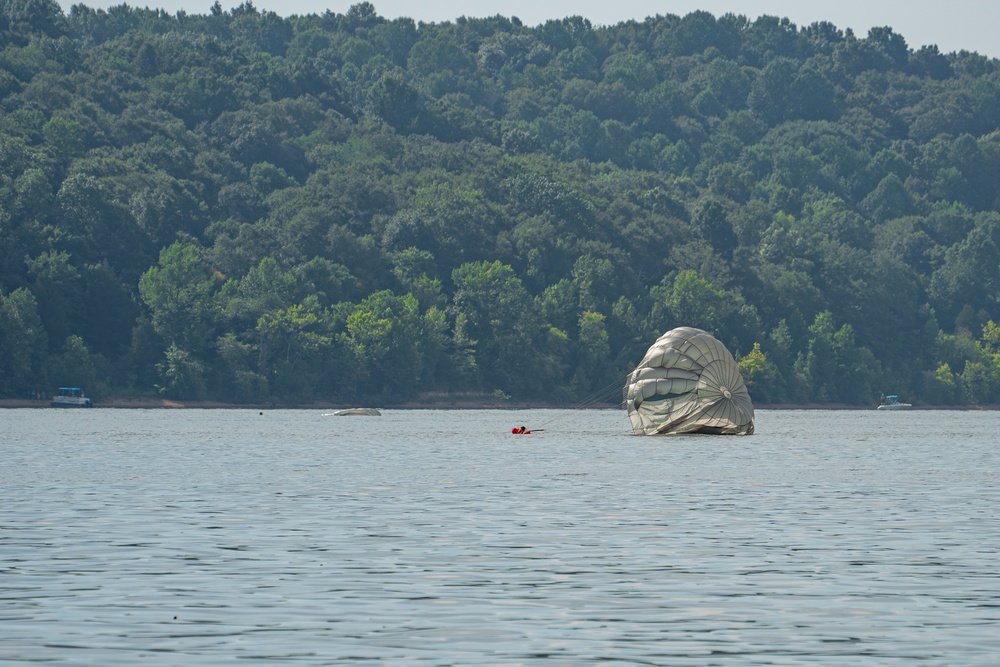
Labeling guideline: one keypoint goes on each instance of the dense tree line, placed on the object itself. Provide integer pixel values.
(340, 207)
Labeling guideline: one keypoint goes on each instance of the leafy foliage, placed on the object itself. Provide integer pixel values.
(246, 207)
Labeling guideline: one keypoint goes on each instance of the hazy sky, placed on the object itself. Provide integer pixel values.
(952, 25)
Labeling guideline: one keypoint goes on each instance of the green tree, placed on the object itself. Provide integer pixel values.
(689, 301)
(457, 223)
(385, 337)
(182, 375)
(770, 94)
(23, 341)
(264, 289)
(396, 102)
(597, 283)
(980, 382)
(439, 52)
(294, 345)
(836, 368)
(34, 17)
(759, 374)
(968, 276)
(239, 380)
(178, 292)
(500, 317)
(74, 365)
(592, 363)
(889, 200)
(65, 137)
(713, 225)
(941, 386)
(58, 292)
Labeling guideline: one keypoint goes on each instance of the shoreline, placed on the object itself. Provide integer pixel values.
(457, 404)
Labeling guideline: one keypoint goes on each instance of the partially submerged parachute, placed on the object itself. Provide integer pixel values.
(688, 382)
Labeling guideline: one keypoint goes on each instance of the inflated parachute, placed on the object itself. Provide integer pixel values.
(688, 382)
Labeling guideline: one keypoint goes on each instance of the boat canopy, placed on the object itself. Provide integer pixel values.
(688, 382)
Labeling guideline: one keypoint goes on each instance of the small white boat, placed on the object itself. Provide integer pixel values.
(70, 397)
(355, 412)
(892, 403)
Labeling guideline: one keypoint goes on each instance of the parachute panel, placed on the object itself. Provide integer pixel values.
(688, 382)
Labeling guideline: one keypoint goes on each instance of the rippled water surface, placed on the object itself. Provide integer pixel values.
(195, 537)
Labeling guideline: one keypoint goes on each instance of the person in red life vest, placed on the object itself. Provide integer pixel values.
(519, 431)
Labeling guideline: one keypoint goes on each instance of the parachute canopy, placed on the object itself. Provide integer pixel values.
(688, 382)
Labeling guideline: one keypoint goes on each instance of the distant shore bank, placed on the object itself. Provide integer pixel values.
(443, 404)
(439, 404)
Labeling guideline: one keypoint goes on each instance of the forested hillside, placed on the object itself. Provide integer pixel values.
(243, 207)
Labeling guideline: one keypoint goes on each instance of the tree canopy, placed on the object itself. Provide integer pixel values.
(342, 207)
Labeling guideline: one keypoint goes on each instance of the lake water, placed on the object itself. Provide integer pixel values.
(201, 537)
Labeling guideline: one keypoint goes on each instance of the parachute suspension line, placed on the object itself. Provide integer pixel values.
(602, 395)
